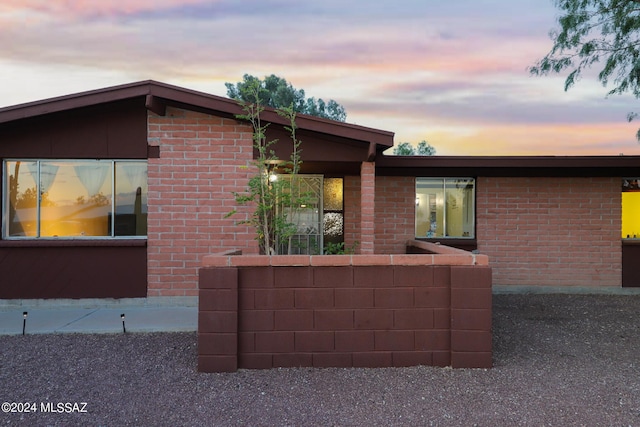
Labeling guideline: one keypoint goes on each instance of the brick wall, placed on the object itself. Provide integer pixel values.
(343, 311)
(367, 207)
(551, 231)
(190, 192)
(395, 213)
(352, 212)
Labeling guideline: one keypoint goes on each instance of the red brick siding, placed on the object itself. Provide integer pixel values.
(352, 212)
(367, 207)
(190, 192)
(551, 231)
(395, 213)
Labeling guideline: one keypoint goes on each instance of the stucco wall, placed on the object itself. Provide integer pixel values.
(191, 185)
(551, 231)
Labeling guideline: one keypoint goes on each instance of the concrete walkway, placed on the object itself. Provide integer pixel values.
(98, 316)
(164, 314)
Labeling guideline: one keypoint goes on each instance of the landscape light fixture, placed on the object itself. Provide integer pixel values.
(24, 321)
(124, 330)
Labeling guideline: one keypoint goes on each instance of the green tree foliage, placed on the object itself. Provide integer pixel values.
(276, 92)
(602, 32)
(406, 149)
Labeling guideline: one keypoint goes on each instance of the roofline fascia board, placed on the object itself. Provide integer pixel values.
(509, 165)
(68, 102)
(509, 161)
(303, 121)
(162, 93)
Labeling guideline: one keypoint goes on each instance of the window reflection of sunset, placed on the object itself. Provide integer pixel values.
(78, 198)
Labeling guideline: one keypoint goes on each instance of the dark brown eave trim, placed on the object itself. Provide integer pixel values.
(157, 96)
(509, 166)
(184, 98)
(69, 102)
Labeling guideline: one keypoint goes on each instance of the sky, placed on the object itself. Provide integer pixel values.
(452, 73)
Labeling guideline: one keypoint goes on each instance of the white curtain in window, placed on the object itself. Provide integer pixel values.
(92, 177)
(48, 172)
(136, 173)
(32, 167)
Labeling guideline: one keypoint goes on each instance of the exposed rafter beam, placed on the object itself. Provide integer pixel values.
(371, 154)
(155, 105)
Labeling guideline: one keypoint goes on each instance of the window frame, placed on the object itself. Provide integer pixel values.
(4, 203)
(633, 184)
(473, 236)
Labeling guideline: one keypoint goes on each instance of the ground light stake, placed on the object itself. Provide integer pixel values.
(124, 330)
(24, 321)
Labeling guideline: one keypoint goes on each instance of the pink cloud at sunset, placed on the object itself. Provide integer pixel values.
(82, 8)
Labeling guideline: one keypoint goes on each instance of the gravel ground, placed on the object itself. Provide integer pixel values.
(559, 360)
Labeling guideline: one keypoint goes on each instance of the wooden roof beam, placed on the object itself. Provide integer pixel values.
(155, 105)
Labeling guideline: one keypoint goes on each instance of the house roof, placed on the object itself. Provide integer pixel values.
(509, 166)
(157, 96)
(160, 95)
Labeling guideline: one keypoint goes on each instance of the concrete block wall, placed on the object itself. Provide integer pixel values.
(201, 163)
(344, 311)
(551, 231)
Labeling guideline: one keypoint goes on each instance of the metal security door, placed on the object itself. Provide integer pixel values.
(307, 216)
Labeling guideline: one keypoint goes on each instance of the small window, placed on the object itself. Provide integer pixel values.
(333, 218)
(74, 198)
(445, 208)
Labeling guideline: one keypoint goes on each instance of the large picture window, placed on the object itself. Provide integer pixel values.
(445, 208)
(74, 198)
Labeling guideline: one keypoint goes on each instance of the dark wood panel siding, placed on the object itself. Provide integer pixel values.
(317, 147)
(115, 130)
(630, 265)
(73, 272)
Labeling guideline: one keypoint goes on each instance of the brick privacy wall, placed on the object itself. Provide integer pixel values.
(202, 160)
(395, 213)
(261, 317)
(551, 231)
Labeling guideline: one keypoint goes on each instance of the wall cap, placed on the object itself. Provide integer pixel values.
(445, 256)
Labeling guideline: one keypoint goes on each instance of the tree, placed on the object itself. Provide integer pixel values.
(276, 92)
(29, 199)
(606, 32)
(277, 201)
(425, 149)
(406, 149)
